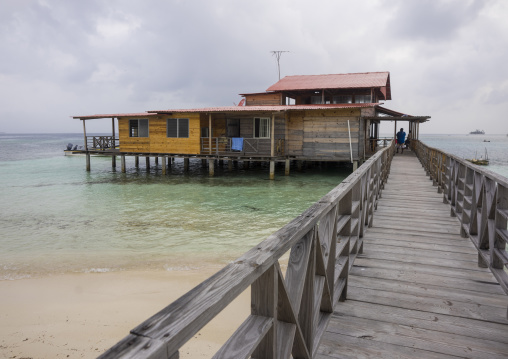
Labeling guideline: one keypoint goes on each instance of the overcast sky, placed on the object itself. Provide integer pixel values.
(447, 58)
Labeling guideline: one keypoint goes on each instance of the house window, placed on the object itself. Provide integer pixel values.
(177, 128)
(315, 100)
(343, 99)
(261, 127)
(233, 127)
(138, 128)
(362, 99)
(204, 132)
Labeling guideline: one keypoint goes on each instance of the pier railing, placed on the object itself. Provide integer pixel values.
(289, 312)
(102, 142)
(251, 146)
(479, 199)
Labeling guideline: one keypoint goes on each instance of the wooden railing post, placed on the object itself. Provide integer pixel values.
(264, 303)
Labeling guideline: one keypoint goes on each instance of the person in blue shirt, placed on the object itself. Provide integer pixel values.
(401, 138)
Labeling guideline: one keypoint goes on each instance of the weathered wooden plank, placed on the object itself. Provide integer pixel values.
(432, 291)
(134, 346)
(285, 337)
(335, 345)
(424, 269)
(246, 338)
(412, 277)
(446, 324)
(418, 338)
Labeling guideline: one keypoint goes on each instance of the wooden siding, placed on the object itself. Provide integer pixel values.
(157, 140)
(263, 99)
(295, 134)
(324, 134)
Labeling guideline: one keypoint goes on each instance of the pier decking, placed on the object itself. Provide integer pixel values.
(417, 290)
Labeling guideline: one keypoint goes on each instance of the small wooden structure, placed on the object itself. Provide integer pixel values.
(304, 118)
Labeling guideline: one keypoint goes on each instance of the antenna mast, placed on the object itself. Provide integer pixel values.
(277, 55)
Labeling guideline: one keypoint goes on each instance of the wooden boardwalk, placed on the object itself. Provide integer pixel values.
(417, 290)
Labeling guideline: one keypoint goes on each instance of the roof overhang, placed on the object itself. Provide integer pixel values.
(114, 115)
(385, 114)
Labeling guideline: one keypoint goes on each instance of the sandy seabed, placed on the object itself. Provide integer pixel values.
(82, 315)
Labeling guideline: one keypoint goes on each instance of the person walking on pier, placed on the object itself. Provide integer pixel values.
(401, 138)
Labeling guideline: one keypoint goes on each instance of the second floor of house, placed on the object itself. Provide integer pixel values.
(369, 87)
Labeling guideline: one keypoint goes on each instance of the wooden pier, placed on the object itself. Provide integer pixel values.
(398, 261)
(417, 290)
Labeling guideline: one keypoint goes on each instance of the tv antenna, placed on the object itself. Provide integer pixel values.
(277, 55)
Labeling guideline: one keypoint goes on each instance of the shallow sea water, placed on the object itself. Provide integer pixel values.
(57, 218)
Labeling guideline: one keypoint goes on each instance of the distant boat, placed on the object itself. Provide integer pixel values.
(480, 161)
(477, 132)
(486, 140)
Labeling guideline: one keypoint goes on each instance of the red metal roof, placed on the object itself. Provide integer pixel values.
(269, 108)
(92, 117)
(337, 81)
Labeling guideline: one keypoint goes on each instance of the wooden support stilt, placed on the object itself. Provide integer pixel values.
(113, 162)
(299, 165)
(147, 163)
(164, 167)
(203, 163)
(186, 164)
(88, 162)
(156, 161)
(211, 167)
(272, 170)
(122, 160)
(230, 165)
(136, 161)
(288, 164)
(170, 160)
(355, 165)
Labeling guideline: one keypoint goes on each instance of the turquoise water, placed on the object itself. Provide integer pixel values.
(58, 218)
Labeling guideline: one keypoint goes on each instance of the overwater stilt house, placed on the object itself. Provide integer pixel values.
(302, 118)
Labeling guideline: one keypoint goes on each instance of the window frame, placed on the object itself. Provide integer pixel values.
(178, 128)
(341, 99)
(138, 128)
(268, 124)
(363, 98)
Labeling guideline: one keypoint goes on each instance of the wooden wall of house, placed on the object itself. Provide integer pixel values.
(268, 99)
(294, 140)
(157, 140)
(324, 134)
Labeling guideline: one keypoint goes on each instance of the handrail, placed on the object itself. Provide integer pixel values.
(102, 142)
(222, 145)
(479, 199)
(289, 313)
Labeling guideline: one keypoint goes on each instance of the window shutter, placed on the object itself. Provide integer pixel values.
(183, 127)
(172, 127)
(143, 128)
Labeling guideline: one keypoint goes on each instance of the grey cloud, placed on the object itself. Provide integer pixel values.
(431, 20)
